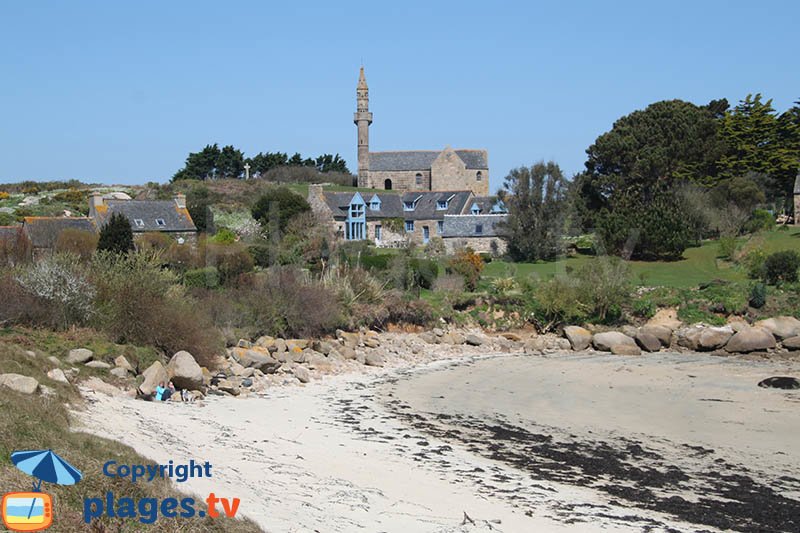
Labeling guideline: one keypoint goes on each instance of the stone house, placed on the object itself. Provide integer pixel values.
(482, 232)
(397, 219)
(169, 217)
(42, 232)
(417, 170)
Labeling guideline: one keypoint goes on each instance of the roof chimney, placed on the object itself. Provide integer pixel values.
(95, 200)
(180, 200)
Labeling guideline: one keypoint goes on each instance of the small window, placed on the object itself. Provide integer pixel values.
(409, 225)
(408, 206)
(160, 222)
(139, 222)
(419, 179)
(441, 205)
(440, 227)
(479, 176)
(476, 210)
(375, 206)
(478, 229)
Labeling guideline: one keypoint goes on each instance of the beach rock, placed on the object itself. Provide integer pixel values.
(153, 375)
(294, 344)
(792, 343)
(102, 365)
(474, 340)
(647, 341)
(373, 359)
(229, 386)
(122, 362)
(279, 346)
(689, 336)
(579, 338)
(561, 345)
(438, 332)
(667, 318)
(782, 327)
(604, 341)
(185, 372)
(511, 336)
(628, 330)
(625, 349)
(737, 324)
(247, 382)
(346, 352)
(236, 368)
(750, 340)
(316, 360)
(780, 382)
(351, 340)
(19, 383)
(98, 385)
(535, 345)
(58, 375)
(323, 347)
(453, 337)
(244, 343)
(662, 333)
(119, 372)
(714, 338)
(361, 358)
(265, 341)
(301, 373)
(79, 355)
(262, 361)
(428, 336)
(372, 342)
(53, 359)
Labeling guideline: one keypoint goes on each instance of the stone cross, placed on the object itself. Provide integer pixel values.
(247, 171)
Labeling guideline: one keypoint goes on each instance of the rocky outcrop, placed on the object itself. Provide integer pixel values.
(79, 355)
(751, 340)
(184, 371)
(579, 338)
(607, 340)
(19, 383)
(782, 327)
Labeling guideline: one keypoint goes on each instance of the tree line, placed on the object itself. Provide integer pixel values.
(213, 162)
(660, 180)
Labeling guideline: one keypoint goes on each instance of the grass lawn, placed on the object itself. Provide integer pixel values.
(698, 265)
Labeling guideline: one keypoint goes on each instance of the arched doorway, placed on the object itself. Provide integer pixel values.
(387, 185)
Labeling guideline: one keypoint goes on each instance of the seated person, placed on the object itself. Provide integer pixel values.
(160, 390)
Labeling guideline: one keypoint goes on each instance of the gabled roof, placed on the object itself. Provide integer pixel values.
(423, 159)
(148, 211)
(392, 204)
(43, 232)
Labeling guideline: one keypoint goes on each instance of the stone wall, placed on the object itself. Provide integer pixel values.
(401, 180)
(449, 173)
(478, 244)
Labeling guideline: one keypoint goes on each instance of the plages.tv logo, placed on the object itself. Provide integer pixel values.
(33, 511)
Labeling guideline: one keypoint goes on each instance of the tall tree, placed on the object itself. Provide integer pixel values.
(116, 235)
(200, 165)
(229, 163)
(536, 198)
(276, 207)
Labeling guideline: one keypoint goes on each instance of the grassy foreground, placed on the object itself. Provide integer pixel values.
(42, 422)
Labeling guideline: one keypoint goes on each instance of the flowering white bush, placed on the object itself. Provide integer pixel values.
(240, 222)
(59, 282)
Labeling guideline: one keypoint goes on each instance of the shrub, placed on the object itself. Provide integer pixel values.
(468, 265)
(60, 284)
(223, 236)
(278, 206)
(77, 242)
(781, 267)
(201, 278)
(556, 301)
(754, 263)
(4, 195)
(116, 235)
(449, 283)
(154, 240)
(376, 262)
(758, 295)
(604, 286)
(644, 308)
(727, 247)
(504, 286)
(231, 261)
(424, 272)
(435, 247)
(761, 220)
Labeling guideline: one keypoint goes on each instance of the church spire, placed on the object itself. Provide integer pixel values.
(362, 118)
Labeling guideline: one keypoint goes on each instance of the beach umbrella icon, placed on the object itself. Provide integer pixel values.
(45, 465)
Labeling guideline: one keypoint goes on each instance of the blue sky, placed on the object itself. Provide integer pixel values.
(120, 93)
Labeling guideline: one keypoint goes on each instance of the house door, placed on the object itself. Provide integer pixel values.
(378, 233)
(426, 234)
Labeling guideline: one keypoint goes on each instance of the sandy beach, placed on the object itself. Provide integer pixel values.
(566, 442)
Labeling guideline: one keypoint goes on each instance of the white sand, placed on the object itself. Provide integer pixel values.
(298, 465)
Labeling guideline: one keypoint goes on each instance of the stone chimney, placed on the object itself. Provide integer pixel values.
(95, 200)
(180, 200)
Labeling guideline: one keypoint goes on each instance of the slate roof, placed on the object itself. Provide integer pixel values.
(392, 204)
(464, 226)
(487, 203)
(147, 211)
(423, 159)
(43, 232)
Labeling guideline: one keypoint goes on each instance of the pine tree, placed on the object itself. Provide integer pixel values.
(116, 235)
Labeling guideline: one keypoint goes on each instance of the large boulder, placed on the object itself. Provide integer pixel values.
(294, 344)
(429, 337)
(604, 341)
(792, 343)
(373, 359)
(782, 327)
(57, 375)
(689, 337)
(662, 333)
(750, 340)
(301, 373)
(647, 341)
(625, 349)
(714, 338)
(122, 362)
(119, 372)
(453, 337)
(153, 375)
(579, 338)
(265, 341)
(256, 359)
(79, 355)
(19, 383)
(351, 340)
(475, 340)
(185, 372)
